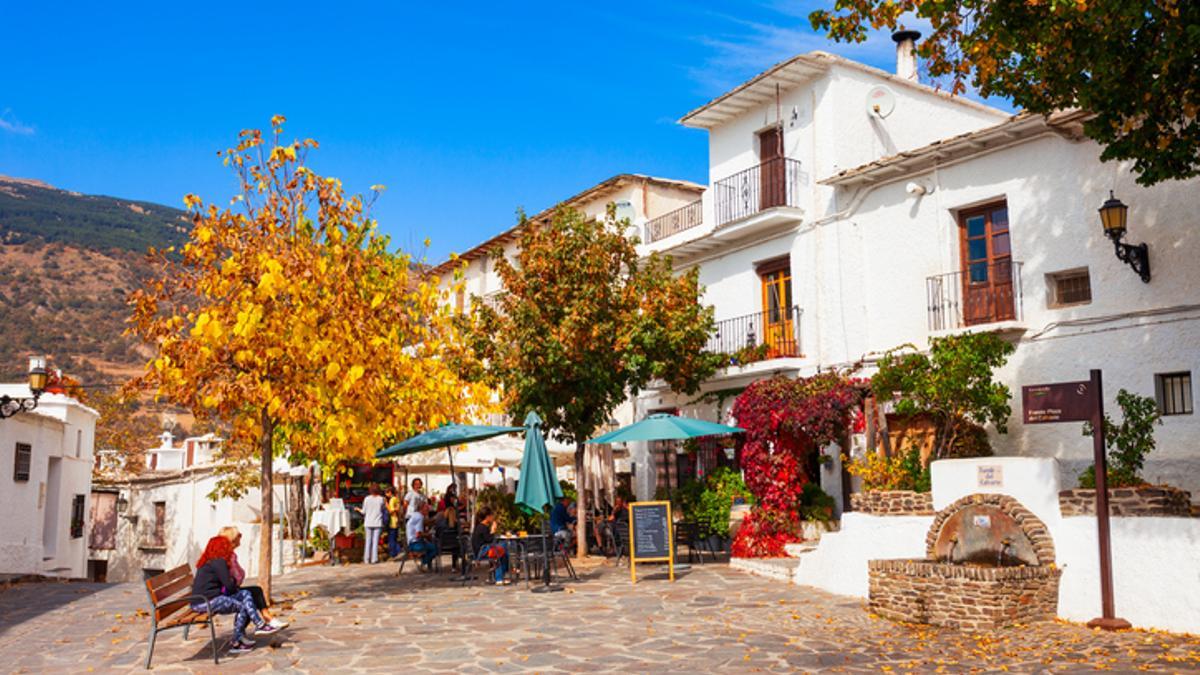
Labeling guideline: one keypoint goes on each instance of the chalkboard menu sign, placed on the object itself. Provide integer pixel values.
(651, 536)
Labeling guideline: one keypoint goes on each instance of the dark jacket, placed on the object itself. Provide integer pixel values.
(480, 536)
(214, 579)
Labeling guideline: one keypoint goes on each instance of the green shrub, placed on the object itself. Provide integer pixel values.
(816, 504)
(1127, 444)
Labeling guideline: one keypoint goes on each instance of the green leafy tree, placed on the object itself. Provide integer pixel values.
(953, 382)
(584, 323)
(1127, 443)
(1132, 63)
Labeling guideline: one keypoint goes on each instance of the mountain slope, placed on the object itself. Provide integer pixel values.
(67, 263)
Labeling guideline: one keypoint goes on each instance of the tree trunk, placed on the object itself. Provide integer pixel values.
(581, 545)
(267, 510)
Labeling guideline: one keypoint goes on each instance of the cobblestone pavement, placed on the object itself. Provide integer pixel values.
(361, 618)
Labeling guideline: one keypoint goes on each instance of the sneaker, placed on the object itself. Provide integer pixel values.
(266, 629)
(241, 647)
(279, 624)
(503, 582)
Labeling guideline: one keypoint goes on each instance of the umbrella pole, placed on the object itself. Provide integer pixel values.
(547, 587)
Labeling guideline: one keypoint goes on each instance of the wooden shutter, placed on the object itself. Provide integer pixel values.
(23, 460)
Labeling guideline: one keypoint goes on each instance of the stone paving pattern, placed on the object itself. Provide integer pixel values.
(363, 619)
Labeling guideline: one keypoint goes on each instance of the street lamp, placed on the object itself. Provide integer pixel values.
(1113, 216)
(38, 375)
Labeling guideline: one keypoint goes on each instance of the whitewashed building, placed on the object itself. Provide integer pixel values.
(163, 517)
(45, 480)
(851, 211)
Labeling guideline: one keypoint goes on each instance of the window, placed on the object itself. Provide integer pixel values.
(24, 457)
(159, 535)
(1174, 393)
(1072, 287)
(77, 517)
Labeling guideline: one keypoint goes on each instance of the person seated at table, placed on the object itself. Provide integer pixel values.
(419, 538)
(484, 544)
(561, 522)
(447, 521)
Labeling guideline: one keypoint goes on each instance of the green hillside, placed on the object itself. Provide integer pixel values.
(30, 209)
(67, 264)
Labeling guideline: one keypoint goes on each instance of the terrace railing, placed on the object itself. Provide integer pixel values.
(984, 293)
(775, 182)
(683, 218)
(771, 334)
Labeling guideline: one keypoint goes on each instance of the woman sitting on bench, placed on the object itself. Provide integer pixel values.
(215, 583)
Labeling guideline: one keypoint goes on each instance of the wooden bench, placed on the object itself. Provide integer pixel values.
(171, 597)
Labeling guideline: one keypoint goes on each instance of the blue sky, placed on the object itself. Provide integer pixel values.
(465, 112)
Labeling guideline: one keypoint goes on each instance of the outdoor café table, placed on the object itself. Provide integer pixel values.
(525, 547)
(335, 521)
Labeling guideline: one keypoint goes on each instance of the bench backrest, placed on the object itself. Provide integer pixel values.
(169, 591)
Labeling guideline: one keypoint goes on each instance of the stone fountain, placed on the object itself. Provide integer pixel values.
(989, 563)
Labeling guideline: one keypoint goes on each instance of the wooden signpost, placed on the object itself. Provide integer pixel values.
(651, 536)
(1082, 402)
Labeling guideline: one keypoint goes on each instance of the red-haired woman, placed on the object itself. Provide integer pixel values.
(215, 583)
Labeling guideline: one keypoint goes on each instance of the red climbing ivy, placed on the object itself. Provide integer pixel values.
(785, 420)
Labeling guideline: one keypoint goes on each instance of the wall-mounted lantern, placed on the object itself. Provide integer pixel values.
(1113, 216)
(38, 375)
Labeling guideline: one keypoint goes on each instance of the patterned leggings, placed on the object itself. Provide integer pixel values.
(240, 603)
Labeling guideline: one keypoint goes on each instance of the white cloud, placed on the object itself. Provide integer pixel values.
(9, 123)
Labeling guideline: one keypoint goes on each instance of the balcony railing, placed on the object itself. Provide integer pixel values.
(773, 334)
(680, 219)
(982, 293)
(775, 182)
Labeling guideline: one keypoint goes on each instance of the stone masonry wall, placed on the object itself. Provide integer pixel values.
(1147, 500)
(962, 596)
(893, 503)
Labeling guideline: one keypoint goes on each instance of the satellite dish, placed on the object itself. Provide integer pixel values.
(880, 102)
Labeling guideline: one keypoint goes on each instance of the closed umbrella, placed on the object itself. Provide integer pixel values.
(538, 487)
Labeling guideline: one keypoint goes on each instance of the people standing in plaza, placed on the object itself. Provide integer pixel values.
(486, 548)
(234, 536)
(372, 509)
(450, 498)
(215, 584)
(393, 530)
(418, 537)
(414, 498)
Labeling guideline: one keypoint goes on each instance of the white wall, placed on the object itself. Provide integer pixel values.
(1154, 559)
(35, 534)
(870, 295)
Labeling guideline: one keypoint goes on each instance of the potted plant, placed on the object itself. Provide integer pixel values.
(816, 510)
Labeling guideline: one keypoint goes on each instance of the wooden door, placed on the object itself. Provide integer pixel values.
(987, 274)
(772, 172)
(778, 321)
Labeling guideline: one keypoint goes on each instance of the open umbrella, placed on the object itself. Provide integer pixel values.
(538, 487)
(445, 436)
(664, 427)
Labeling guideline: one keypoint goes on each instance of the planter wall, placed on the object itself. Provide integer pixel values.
(1146, 500)
(893, 503)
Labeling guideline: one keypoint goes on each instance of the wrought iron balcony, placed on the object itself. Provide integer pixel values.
(982, 293)
(773, 334)
(683, 218)
(775, 182)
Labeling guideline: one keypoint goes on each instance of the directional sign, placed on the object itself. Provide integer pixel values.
(1059, 402)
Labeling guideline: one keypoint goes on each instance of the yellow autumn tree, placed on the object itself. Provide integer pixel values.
(286, 316)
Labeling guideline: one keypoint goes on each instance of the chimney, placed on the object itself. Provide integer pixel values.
(906, 53)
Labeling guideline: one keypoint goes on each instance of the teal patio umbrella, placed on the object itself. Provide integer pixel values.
(445, 436)
(538, 486)
(664, 427)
